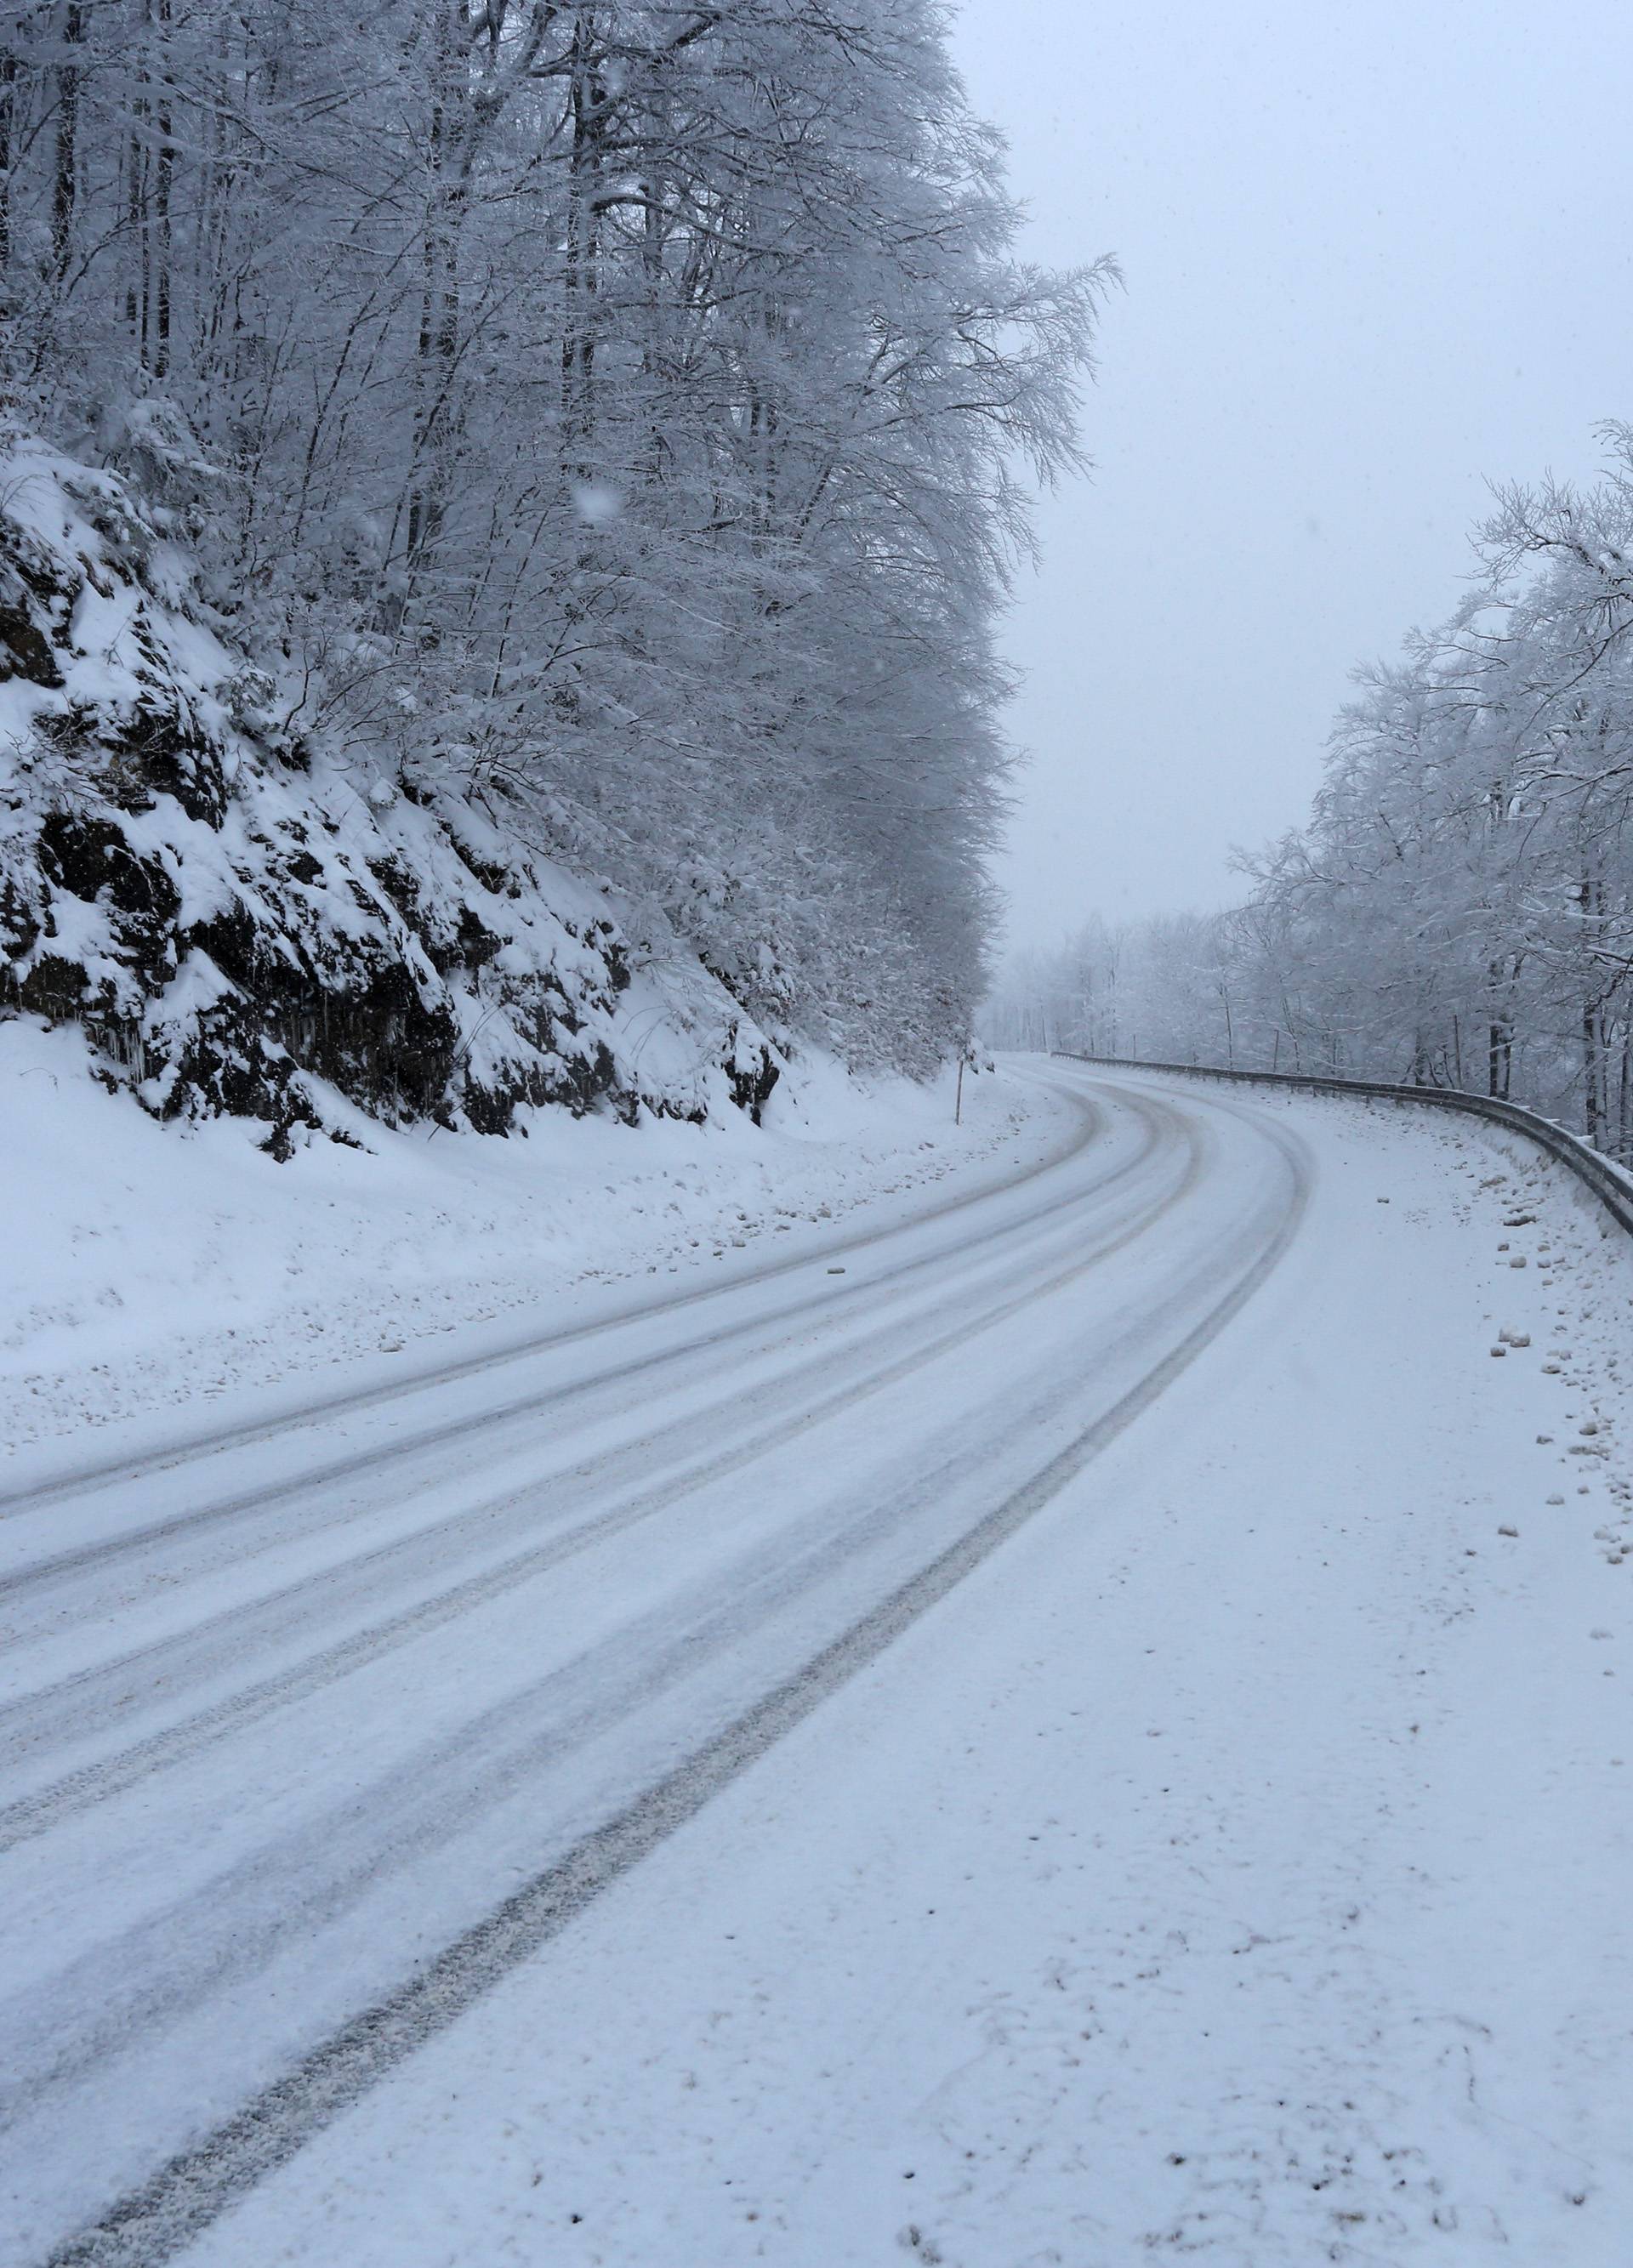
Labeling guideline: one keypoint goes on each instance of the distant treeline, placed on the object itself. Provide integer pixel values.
(1458, 909)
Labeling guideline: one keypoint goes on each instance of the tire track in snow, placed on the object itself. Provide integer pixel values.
(156, 2220)
(325, 1409)
(58, 1715)
(132, 1544)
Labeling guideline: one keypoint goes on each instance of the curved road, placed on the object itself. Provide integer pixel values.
(311, 1734)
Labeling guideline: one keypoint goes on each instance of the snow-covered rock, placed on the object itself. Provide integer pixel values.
(247, 915)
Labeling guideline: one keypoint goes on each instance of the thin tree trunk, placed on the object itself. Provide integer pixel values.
(438, 343)
(8, 120)
(1499, 1060)
(164, 171)
(1592, 1051)
(65, 187)
(1593, 1073)
(577, 344)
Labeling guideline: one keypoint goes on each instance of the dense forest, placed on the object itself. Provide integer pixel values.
(472, 454)
(1458, 909)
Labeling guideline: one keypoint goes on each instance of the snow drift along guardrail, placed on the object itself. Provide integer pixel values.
(1610, 1186)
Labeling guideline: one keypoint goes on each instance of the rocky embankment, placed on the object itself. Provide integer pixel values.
(249, 916)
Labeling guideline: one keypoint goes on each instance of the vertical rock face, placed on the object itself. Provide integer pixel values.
(246, 920)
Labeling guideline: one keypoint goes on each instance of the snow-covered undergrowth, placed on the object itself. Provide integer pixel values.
(145, 1265)
(248, 912)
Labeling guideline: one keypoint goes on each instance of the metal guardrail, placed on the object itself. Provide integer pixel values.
(1610, 1186)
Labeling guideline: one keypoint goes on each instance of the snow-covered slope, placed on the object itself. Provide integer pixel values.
(250, 911)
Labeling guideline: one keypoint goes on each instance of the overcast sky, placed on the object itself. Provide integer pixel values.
(1375, 255)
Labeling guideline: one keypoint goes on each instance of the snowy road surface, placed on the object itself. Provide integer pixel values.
(1088, 1723)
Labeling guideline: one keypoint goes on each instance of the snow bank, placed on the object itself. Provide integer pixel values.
(146, 1264)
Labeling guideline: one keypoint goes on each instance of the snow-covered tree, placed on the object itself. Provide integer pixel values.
(1458, 909)
(616, 407)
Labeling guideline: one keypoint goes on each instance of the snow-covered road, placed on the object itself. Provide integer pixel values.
(616, 1803)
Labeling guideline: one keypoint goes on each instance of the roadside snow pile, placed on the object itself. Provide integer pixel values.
(249, 916)
(144, 1266)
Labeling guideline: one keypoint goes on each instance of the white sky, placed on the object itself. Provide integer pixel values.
(1376, 256)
